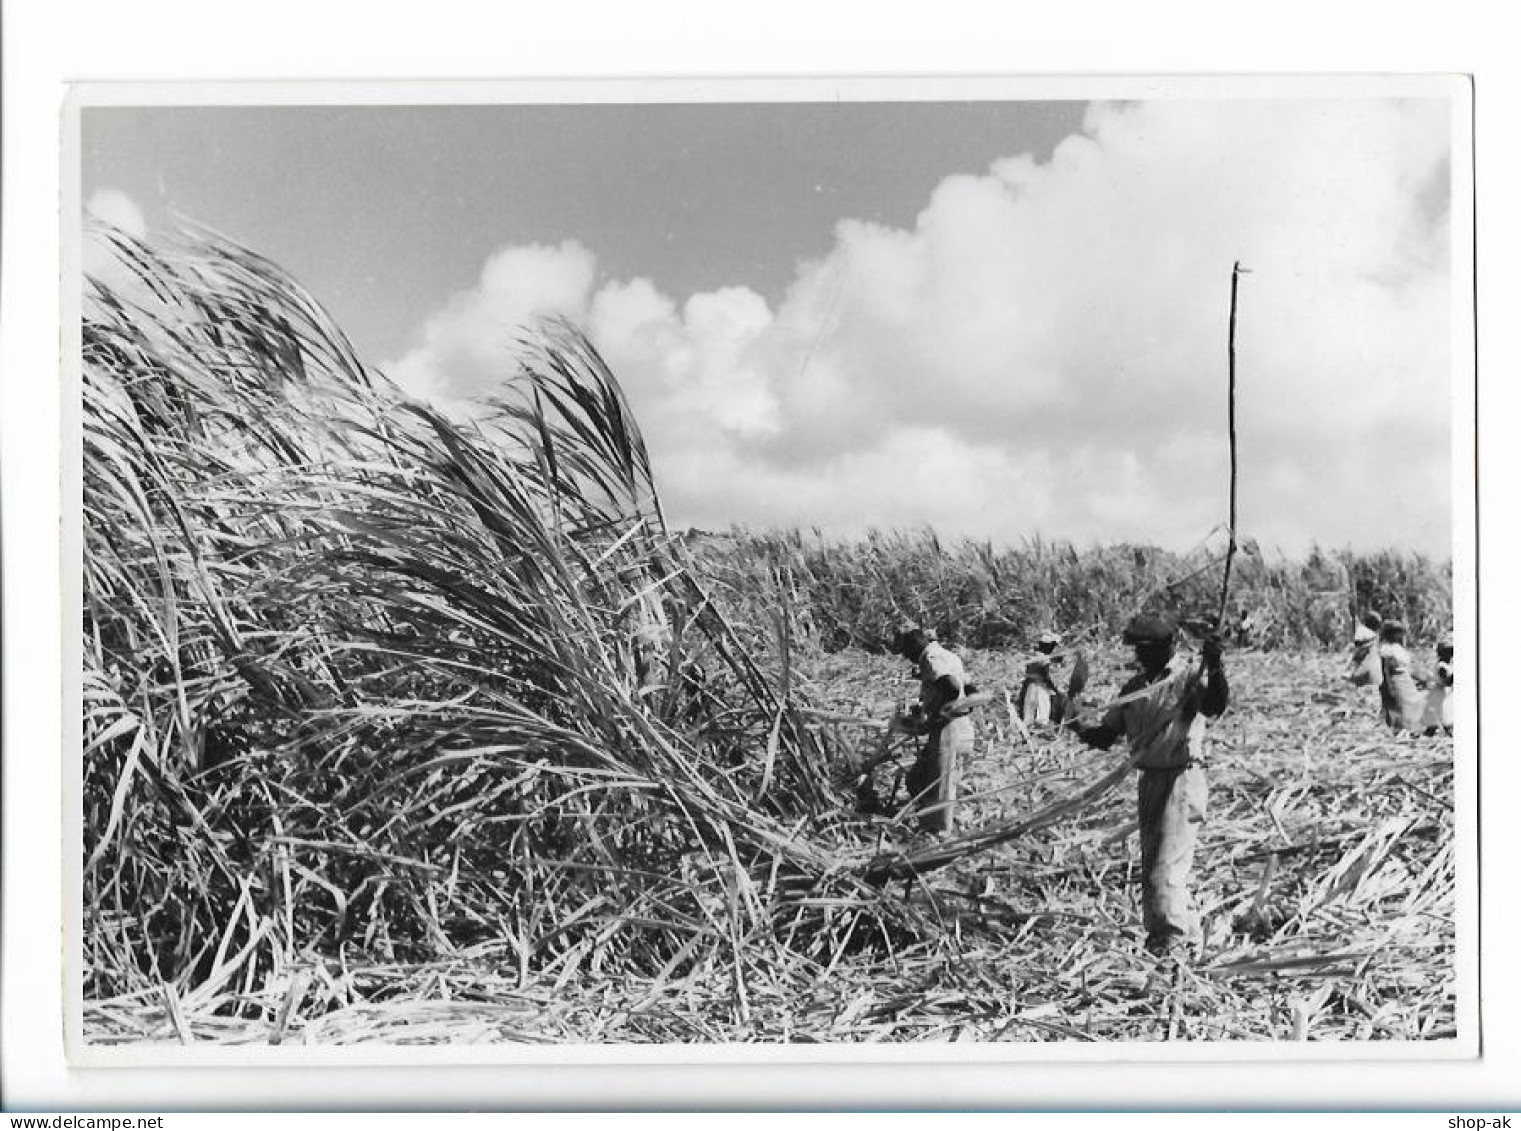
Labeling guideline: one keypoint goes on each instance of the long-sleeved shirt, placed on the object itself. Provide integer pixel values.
(940, 670)
(1165, 725)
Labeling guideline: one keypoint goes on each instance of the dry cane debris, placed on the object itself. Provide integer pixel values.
(369, 757)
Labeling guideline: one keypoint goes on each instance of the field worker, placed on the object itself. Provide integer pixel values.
(1246, 629)
(1402, 701)
(1039, 701)
(1438, 714)
(1364, 669)
(947, 738)
(1164, 727)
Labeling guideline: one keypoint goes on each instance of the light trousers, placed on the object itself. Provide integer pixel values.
(1171, 806)
(933, 778)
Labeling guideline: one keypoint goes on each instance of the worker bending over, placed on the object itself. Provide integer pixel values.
(947, 734)
(1365, 669)
(1402, 700)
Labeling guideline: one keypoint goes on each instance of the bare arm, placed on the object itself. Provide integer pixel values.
(1111, 728)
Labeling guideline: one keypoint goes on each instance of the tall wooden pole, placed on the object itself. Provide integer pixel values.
(1230, 550)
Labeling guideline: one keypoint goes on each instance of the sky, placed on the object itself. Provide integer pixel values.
(1000, 319)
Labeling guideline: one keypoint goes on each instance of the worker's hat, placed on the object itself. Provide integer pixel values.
(1148, 628)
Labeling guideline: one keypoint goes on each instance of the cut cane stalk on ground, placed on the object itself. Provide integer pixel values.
(359, 701)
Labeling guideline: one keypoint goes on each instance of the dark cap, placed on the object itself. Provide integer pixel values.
(1149, 629)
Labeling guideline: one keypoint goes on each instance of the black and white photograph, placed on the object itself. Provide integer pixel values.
(971, 568)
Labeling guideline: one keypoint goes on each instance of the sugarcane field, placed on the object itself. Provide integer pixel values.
(624, 685)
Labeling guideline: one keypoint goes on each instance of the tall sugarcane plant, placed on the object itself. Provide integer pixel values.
(358, 672)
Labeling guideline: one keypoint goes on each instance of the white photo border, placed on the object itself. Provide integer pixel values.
(1456, 90)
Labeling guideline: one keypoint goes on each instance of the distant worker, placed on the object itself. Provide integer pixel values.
(1160, 712)
(1364, 669)
(947, 733)
(1039, 701)
(1402, 701)
(1437, 718)
(1245, 629)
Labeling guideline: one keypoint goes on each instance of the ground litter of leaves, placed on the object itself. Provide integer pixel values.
(1324, 875)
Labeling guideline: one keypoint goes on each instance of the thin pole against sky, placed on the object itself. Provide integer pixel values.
(1230, 551)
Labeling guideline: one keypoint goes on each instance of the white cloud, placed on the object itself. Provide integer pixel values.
(468, 345)
(118, 210)
(699, 363)
(1044, 350)
(114, 207)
